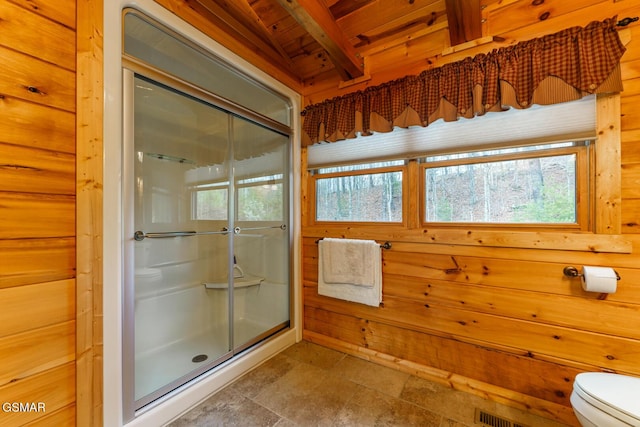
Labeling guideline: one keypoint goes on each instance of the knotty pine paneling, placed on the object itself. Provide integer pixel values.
(38, 209)
(513, 314)
(630, 69)
(55, 387)
(31, 261)
(61, 11)
(31, 170)
(630, 148)
(31, 79)
(89, 201)
(36, 126)
(35, 351)
(389, 14)
(520, 14)
(511, 371)
(631, 181)
(631, 116)
(25, 31)
(631, 86)
(587, 312)
(545, 341)
(32, 216)
(631, 216)
(65, 416)
(43, 303)
(630, 136)
(410, 53)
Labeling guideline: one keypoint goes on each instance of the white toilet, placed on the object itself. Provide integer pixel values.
(606, 400)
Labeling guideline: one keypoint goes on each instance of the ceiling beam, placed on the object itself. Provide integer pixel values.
(234, 27)
(464, 20)
(317, 20)
(241, 11)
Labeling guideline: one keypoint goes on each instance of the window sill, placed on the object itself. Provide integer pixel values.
(543, 240)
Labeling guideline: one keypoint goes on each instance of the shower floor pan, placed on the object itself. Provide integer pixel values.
(156, 369)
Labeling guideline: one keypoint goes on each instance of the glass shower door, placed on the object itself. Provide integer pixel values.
(181, 240)
(261, 236)
(206, 216)
(208, 194)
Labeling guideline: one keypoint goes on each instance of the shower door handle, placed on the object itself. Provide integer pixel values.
(141, 235)
(238, 230)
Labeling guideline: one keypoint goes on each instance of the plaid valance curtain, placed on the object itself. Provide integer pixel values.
(555, 68)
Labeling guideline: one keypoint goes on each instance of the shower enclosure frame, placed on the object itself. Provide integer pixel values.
(130, 68)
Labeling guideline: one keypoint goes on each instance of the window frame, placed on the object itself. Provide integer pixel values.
(314, 176)
(196, 189)
(605, 224)
(583, 184)
(254, 181)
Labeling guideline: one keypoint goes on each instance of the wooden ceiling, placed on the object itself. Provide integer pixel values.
(311, 38)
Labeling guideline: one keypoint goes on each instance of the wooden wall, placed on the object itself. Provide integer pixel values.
(37, 210)
(89, 206)
(506, 323)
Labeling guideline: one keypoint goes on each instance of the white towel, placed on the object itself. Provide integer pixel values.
(351, 270)
(349, 261)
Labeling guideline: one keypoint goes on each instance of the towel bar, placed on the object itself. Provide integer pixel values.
(385, 245)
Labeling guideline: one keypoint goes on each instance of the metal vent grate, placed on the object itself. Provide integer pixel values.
(490, 420)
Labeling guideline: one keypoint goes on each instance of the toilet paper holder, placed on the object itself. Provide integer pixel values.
(570, 271)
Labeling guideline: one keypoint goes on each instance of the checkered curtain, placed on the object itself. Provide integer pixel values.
(559, 67)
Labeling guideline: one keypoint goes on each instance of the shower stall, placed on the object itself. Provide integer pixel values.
(206, 212)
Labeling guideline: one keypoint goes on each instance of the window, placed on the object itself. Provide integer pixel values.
(211, 202)
(535, 185)
(532, 168)
(260, 199)
(360, 193)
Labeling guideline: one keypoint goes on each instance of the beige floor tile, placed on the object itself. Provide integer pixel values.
(310, 385)
(285, 423)
(314, 354)
(307, 395)
(227, 408)
(455, 405)
(370, 407)
(377, 377)
(254, 382)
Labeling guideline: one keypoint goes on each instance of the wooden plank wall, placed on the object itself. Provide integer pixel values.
(493, 314)
(89, 207)
(37, 210)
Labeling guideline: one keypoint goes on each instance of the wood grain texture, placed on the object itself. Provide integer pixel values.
(493, 305)
(29, 170)
(38, 209)
(54, 387)
(36, 126)
(39, 36)
(29, 261)
(30, 216)
(89, 206)
(47, 304)
(61, 11)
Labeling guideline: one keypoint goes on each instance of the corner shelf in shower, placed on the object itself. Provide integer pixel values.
(238, 282)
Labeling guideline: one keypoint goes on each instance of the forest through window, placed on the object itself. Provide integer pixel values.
(538, 185)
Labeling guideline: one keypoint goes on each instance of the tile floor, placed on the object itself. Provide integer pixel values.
(310, 385)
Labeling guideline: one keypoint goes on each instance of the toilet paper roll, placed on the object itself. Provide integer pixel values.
(599, 279)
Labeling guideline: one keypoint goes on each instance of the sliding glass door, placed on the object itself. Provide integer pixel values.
(207, 240)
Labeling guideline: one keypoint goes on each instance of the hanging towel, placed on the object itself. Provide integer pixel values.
(351, 270)
(349, 261)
